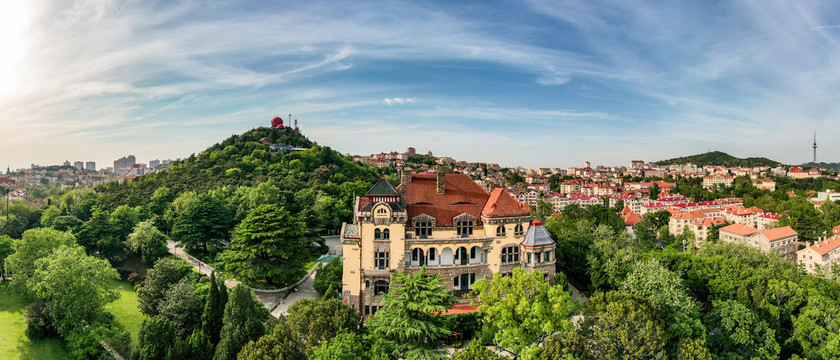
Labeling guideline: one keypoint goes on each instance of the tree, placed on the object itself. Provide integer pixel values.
(166, 272)
(618, 325)
(268, 245)
(156, 335)
(243, 322)
(6, 249)
(524, 309)
(211, 318)
(281, 343)
(182, 306)
(476, 351)
(33, 245)
(67, 223)
(204, 222)
(316, 322)
(73, 286)
(344, 346)
(665, 288)
(743, 335)
(410, 318)
(148, 241)
(543, 210)
(329, 276)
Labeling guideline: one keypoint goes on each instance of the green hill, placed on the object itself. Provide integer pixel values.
(720, 158)
(823, 165)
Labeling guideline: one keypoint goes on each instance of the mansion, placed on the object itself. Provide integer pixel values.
(445, 222)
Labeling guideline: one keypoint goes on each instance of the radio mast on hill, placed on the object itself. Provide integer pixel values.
(815, 146)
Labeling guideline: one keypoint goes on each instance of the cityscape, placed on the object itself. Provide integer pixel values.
(336, 180)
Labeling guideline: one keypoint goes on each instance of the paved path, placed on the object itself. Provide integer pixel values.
(306, 290)
(203, 268)
(577, 295)
(278, 303)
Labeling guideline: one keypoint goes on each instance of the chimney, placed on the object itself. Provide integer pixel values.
(441, 183)
(405, 179)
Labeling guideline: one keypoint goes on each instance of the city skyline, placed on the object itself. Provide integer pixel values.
(535, 84)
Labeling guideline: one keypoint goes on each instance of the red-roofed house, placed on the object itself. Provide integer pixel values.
(822, 253)
(679, 221)
(447, 223)
(700, 228)
(782, 241)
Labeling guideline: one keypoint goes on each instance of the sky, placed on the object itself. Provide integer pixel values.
(532, 83)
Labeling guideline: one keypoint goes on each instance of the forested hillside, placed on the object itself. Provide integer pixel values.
(721, 159)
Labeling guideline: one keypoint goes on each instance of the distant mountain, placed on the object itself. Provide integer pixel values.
(720, 158)
(828, 166)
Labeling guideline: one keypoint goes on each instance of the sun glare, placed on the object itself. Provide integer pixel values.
(14, 20)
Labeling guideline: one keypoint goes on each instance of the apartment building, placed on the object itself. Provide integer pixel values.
(823, 253)
(782, 241)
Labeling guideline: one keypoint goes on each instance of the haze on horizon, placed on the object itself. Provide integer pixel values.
(533, 83)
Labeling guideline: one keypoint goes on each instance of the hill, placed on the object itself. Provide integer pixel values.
(823, 165)
(720, 158)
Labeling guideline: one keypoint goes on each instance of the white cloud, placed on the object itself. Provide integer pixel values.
(398, 101)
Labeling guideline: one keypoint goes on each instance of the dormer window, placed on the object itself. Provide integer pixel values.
(381, 211)
(423, 229)
(464, 227)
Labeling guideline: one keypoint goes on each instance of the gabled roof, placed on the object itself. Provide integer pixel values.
(537, 236)
(382, 187)
(740, 229)
(631, 219)
(501, 203)
(461, 195)
(824, 247)
(779, 233)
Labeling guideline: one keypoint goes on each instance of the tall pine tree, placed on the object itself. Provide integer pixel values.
(243, 322)
(213, 311)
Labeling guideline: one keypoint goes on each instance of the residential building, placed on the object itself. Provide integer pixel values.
(828, 195)
(765, 184)
(822, 253)
(90, 166)
(444, 222)
(709, 181)
(700, 228)
(680, 221)
(782, 241)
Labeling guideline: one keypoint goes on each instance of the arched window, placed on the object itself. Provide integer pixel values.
(386, 234)
(418, 258)
(381, 211)
(380, 287)
(518, 230)
(377, 234)
(432, 254)
(461, 256)
(500, 231)
(510, 255)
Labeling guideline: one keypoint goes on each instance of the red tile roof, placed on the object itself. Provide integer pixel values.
(631, 219)
(460, 308)
(779, 233)
(501, 203)
(823, 247)
(461, 195)
(691, 215)
(740, 229)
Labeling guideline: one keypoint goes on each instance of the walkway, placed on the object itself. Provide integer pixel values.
(278, 303)
(577, 295)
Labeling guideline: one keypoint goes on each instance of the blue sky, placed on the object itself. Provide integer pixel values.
(533, 83)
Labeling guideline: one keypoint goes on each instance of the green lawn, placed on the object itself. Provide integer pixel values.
(125, 309)
(13, 342)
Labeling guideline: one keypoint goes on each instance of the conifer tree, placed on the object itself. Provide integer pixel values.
(242, 323)
(211, 318)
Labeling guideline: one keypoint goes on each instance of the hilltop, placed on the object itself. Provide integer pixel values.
(823, 165)
(720, 158)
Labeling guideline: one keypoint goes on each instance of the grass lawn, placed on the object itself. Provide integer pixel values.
(125, 309)
(13, 342)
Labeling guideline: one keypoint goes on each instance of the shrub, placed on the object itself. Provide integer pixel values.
(38, 325)
(134, 278)
(82, 344)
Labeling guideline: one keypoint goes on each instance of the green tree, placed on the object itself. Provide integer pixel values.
(329, 276)
(410, 318)
(6, 249)
(268, 245)
(743, 335)
(315, 322)
(156, 335)
(344, 346)
(524, 309)
(211, 318)
(543, 210)
(148, 241)
(817, 327)
(49, 215)
(33, 245)
(67, 223)
(166, 272)
(182, 305)
(618, 325)
(243, 322)
(203, 223)
(476, 351)
(281, 343)
(665, 288)
(73, 286)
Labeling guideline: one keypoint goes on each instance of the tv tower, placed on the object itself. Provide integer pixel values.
(815, 146)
